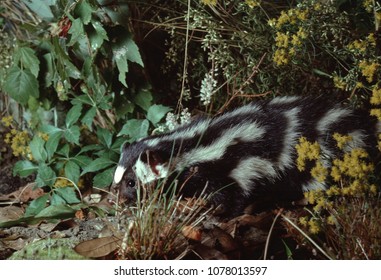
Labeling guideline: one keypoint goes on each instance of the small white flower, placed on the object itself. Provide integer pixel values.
(207, 90)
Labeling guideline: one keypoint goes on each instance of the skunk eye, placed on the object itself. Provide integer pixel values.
(131, 183)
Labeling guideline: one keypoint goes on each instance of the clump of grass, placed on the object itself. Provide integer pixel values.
(155, 225)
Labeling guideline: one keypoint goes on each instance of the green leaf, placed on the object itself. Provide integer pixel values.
(38, 150)
(28, 60)
(123, 51)
(82, 160)
(84, 11)
(72, 134)
(41, 8)
(68, 194)
(36, 206)
(105, 137)
(72, 171)
(52, 143)
(45, 176)
(156, 113)
(56, 199)
(76, 31)
(73, 115)
(20, 84)
(89, 117)
(98, 164)
(56, 212)
(98, 37)
(136, 129)
(144, 99)
(104, 179)
(24, 168)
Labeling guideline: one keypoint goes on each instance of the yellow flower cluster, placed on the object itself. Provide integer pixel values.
(19, 141)
(352, 165)
(7, 121)
(253, 3)
(290, 41)
(306, 151)
(342, 140)
(312, 224)
(339, 82)
(209, 2)
(362, 46)
(368, 69)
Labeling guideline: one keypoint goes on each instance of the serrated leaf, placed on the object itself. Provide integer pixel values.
(28, 60)
(98, 37)
(144, 99)
(72, 134)
(98, 164)
(105, 137)
(76, 31)
(136, 129)
(37, 147)
(156, 113)
(36, 206)
(56, 199)
(73, 115)
(133, 53)
(68, 194)
(20, 84)
(84, 10)
(89, 117)
(72, 171)
(104, 179)
(52, 143)
(45, 176)
(24, 168)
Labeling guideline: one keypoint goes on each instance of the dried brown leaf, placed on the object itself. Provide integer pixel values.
(99, 247)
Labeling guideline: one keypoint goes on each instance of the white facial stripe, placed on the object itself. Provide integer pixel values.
(118, 175)
(146, 175)
(290, 139)
(217, 149)
(250, 169)
(331, 117)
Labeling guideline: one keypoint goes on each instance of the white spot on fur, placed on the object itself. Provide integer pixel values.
(118, 175)
(246, 132)
(250, 169)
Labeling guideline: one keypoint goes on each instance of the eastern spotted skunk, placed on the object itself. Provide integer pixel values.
(245, 155)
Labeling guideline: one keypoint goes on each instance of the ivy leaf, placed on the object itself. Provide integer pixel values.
(60, 211)
(41, 8)
(156, 113)
(56, 199)
(98, 164)
(20, 84)
(105, 137)
(136, 129)
(24, 168)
